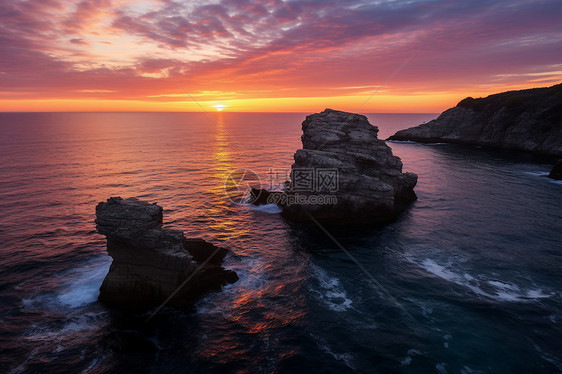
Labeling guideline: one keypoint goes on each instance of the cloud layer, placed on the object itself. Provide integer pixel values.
(225, 49)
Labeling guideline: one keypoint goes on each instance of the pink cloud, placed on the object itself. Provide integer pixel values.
(298, 48)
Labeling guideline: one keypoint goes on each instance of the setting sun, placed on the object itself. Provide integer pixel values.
(219, 107)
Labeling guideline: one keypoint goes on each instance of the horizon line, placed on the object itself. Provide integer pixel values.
(190, 112)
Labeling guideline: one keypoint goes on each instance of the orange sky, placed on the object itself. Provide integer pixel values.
(272, 55)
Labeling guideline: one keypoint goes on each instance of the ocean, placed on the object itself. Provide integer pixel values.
(467, 280)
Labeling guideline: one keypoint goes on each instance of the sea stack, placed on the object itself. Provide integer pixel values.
(526, 120)
(345, 174)
(150, 263)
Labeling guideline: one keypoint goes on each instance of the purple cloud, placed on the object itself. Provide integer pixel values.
(302, 47)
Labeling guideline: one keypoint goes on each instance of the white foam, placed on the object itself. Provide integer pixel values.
(402, 141)
(446, 342)
(76, 288)
(537, 294)
(73, 324)
(330, 290)
(27, 303)
(406, 361)
(347, 358)
(440, 271)
(93, 365)
(543, 174)
(504, 286)
(82, 286)
(425, 306)
(409, 355)
(251, 283)
(537, 173)
(266, 208)
(441, 368)
(499, 290)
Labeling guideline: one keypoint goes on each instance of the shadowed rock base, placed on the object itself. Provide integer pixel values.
(150, 263)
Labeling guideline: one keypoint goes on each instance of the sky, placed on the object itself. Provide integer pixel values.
(272, 55)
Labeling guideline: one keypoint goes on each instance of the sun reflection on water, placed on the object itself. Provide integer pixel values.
(220, 209)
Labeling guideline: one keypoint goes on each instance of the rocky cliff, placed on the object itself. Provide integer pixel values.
(344, 173)
(527, 120)
(149, 262)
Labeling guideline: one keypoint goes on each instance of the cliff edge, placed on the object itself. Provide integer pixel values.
(526, 120)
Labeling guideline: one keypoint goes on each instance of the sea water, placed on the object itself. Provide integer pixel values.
(467, 280)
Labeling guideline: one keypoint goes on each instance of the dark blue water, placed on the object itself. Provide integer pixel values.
(467, 281)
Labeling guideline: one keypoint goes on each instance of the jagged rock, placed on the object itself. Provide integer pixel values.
(369, 185)
(527, 120)
(556, 172)
(149, 262)
(260, 196)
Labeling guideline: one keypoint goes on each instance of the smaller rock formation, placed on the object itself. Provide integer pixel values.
(262, 196)
(526, 120)
(556, 172)
(149, 262)
(345, 174)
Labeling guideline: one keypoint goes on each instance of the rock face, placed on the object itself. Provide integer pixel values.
(527, 120)
(149, 262)
(556, 172)
(259, 196)
(344, 173)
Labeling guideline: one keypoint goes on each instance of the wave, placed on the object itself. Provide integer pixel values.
(83, 285)
(347, 358)
(251, 283)
(267, 208)
(329, 290)
(72, 289)
(537, 173)
(543, 174)
(426, 307)
(406, 361)
(483, 285)
(402, 141)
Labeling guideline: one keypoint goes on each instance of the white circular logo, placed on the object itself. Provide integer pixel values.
(239, 184)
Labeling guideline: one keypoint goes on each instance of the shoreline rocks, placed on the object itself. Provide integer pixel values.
(526, 120)
(260, 196)
(556, 172)
(149, 262)
(345, 174)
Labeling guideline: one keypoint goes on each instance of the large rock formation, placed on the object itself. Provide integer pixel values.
(149, 262)
(528, 120)
(369, 185)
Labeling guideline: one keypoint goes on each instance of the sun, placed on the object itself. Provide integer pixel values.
(220, 107)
